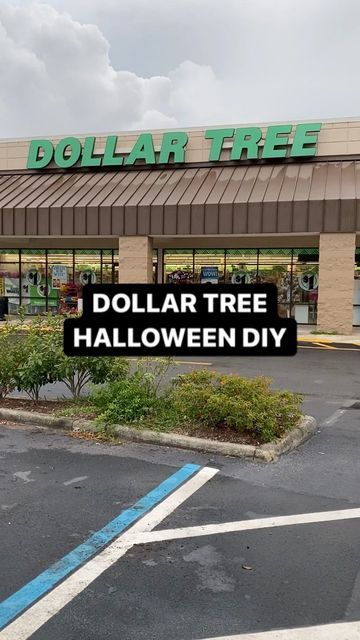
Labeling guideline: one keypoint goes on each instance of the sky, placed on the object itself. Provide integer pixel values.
(82, 66)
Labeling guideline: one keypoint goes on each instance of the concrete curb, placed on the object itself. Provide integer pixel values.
(40, 419)
(265, 453)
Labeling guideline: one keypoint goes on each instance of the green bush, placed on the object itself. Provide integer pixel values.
(8, 366)
(127, 399)
(132, 397)
(245, 405)
(34, 356)
(35, 359)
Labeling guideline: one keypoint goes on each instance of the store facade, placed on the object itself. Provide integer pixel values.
(270, 203)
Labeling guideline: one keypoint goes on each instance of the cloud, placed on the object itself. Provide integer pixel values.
(110, 65)
(56, 76)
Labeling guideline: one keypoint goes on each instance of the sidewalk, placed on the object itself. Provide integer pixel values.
(305, 335)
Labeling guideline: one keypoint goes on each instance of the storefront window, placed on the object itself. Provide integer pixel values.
(155, 266)
(178, 266)
(209, 266)
(293, 271)
(87, 269)
(274, 267)
(241, 266)
(52, 280)
(35, 284)
(10, 277)
(107, 272)
(63, 293)
(305, 281)
(356, 318)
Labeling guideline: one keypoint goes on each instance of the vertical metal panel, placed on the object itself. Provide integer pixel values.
(241, 201)
(270, 200)
(49, 212)
(212, 208)
(111, 203)
(5, 182)
(12, 193)
(43, 204)
(170, 208)
(73, 211)
(132, 224)
(118, 207)
(301, 199)
(317, 198)
(144, 205)
(347, 197)
(332, 198)
(285, 201)
(197, 213)
(227, 206)
(255, 203)
(357, 190)
(158, 208)
(100, 205)
(185, 202)
(31, 212)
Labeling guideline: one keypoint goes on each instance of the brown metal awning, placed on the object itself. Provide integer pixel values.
(281, 198)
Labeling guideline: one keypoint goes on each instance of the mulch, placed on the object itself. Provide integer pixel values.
(225, 434)
(42, 406)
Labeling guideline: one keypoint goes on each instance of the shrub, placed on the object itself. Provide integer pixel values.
(127, 399)
(75, 372)
(132, 397)
(8, 360)
(35, 359)
(33, 356)
(242, 404)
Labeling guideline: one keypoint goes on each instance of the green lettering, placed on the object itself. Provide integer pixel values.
(63, 161)
(143, 149)
(36, 162)
(302, 139)
(246, 138)
(272, 142)
(88, 159)
(173, 143)
(217, 136)
(110, 158)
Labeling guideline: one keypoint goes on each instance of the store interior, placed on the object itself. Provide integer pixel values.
(52, 280)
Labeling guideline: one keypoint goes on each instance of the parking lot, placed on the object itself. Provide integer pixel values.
(140, 541)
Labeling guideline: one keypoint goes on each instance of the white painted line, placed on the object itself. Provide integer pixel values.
(80, 479)
(333, 418)
(24, 475)
(337, 631)
(244, 525)
(35, 617)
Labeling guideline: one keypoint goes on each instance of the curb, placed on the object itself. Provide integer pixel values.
(269, 452)
(39, 419)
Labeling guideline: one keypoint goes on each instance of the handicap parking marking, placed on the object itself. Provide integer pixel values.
(41, 599)
(335, 631)
(245, 525)
(30, 608)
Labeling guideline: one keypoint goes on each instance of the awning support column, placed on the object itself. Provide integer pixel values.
(135, 259)
(336, 282)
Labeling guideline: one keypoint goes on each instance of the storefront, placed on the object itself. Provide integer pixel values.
(275, 203)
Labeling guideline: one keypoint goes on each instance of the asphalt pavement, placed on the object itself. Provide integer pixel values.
(215, 547)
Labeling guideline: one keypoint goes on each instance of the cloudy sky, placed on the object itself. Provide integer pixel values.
(70, 66)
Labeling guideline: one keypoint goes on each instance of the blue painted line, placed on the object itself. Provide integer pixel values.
(45, 581)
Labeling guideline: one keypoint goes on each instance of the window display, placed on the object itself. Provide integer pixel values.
(293, 271)
(51, 280)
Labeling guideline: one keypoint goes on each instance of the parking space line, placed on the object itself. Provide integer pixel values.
(336, 631)
(174, 491)
(246, 525)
